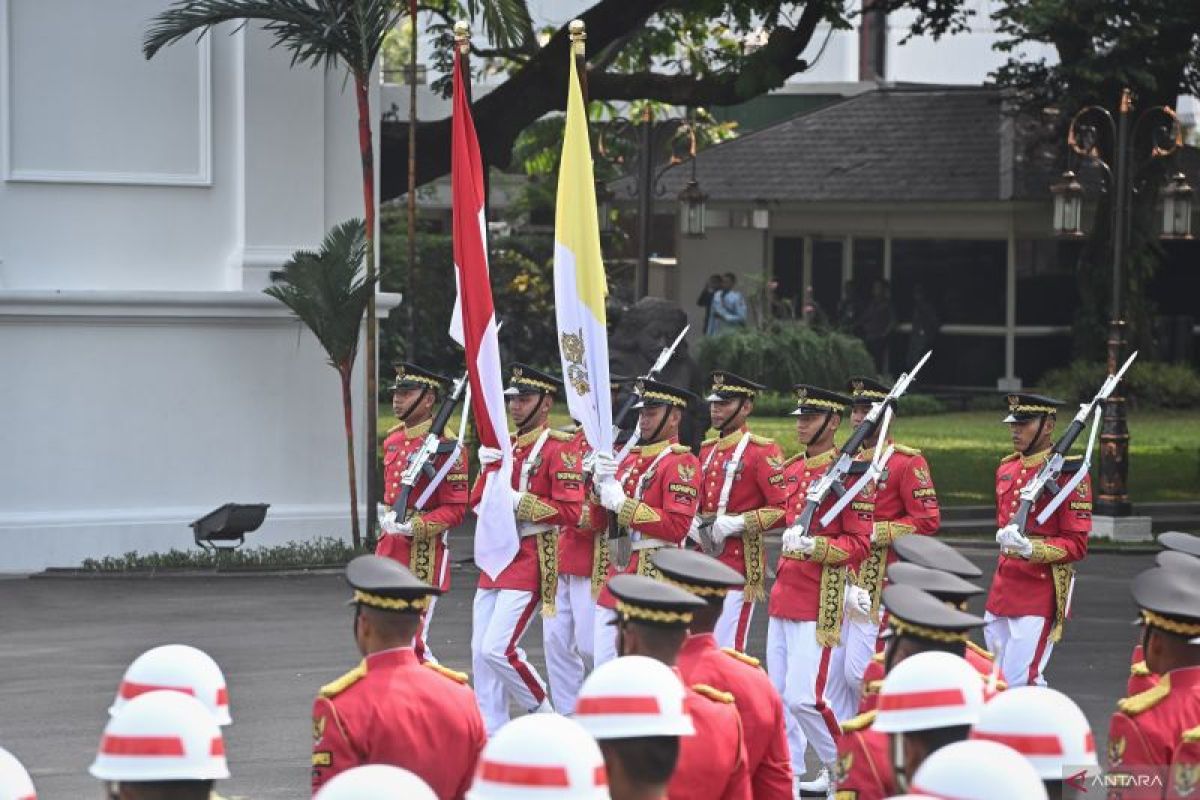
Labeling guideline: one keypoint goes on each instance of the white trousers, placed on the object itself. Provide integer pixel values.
(800, 669)
(733, 626)
(499, 620)
(605, 640)
(1023, 646)
(568, 639)
(849, 663)
(421, 640)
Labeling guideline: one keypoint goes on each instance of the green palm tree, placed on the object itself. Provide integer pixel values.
(328, 292)
(332, 33)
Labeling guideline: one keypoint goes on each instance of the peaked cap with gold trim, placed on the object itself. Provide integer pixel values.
(927, 551)
(411, 376)
(864, 390)
(654, 393)
(1023, 406)
(700, 574)
(727, 386)
(815, 400)
(647, 601)
(524, 379)
(387, 585)
(913, 612)
(945, 586)
(1169, 600)
(1181, 542)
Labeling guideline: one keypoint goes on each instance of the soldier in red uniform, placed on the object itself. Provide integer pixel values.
(806, 602)
(702, 660)
(654, 492)
(1028, 602)
(743, 493)
(419, 541)
(918, 623)
(1147, 731)
(1182, 552)
(547, 492)
(652, 620)
(391, 708)
(568, 637)
(1184, 778)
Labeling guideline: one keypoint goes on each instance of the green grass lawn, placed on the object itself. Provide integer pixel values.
(963, 450)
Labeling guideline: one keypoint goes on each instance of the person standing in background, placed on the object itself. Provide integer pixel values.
(707, 295)
(728, 308)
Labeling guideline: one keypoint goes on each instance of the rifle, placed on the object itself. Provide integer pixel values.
(422, 460)
(831, 481)
(621, 554)
(1047, 477)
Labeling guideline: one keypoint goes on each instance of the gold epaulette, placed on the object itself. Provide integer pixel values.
(1144, 701)
(878, 657)
(761, 440)
(713, 440)
(873, 687)
(1139, 670)
(334, 688)
(1010, 457)
(988, 654)
(742, 657)
(394, 428)
(793, 459)
(862, 721)
(561, 436)
(906, 450)
(1192, 736)
(712, 693)
(446, 672)
(680, 448)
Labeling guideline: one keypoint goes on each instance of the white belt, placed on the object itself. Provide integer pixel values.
(533, 529)
(650, 543)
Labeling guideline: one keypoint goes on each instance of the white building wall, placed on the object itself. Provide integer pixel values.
(146, 378)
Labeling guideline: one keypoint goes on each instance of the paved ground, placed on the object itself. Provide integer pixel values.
(65, 644)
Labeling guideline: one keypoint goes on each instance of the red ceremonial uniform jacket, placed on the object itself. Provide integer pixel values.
(761, 710)
(445, 509)
(554, 497)
(668, 503)
(1140, 676)
(391, 709)
(1147, 730)
(845, 542)
(712, 764)
(864, 766)
(576, 543)
(1027, 587)
(759, 492)
(905, 497)
(1185, 767)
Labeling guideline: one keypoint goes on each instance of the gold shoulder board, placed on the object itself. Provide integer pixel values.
(712, 693)
(334, 688)
(740, 656)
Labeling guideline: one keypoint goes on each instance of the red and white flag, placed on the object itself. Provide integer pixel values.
(474, 327)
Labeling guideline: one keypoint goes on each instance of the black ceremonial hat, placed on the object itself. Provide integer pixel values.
(700, 574)
(866, 390)
(945, 586)
(815, 400)
(727, 386)
(644, 600)
(524, 379)
(1023, 406)
(912, 612)
(387, 585)
(410, 376)
(929, 552)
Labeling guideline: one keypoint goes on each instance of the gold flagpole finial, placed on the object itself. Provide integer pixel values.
(462, 35)
(578, 36)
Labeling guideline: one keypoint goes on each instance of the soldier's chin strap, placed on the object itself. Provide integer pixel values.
(521, 424)
(729, 423)
(1037, 436)
(413, 405)
(662, 423)
(820, 430)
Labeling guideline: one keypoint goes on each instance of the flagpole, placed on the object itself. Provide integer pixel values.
(578, 49)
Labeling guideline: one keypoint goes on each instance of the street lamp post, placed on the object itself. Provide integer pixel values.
(650, 135)
(1113, 497)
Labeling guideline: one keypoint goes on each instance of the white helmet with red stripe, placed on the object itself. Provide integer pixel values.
(14, 780)
(929, 690)
(978, 770)
(161, 736)
(1042, 724)
(180, 668)
(376, 782)
(540, 757)
(633, 696)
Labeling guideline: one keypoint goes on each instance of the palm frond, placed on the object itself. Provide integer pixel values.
(328, 291)
(316, 32)
(506, 22)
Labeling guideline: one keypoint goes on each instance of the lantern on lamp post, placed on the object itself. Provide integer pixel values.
(1068, 206)
(691, 208)
(1177, 208)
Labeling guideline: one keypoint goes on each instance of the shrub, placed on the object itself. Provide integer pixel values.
(320, 552)
(785, 354)
(1148, 384)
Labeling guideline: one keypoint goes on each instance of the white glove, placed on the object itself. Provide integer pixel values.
(694, 530)
(605, 466)
(1013, 543)
(858, 601)
(516, 499)
(388, 522)
(795, 541)
(612, 496)
(727, 525)
(489, 455)
(589, 463)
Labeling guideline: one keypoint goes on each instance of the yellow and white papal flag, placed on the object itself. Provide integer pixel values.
(579, 283)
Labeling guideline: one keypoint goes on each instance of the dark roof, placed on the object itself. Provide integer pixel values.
(893, 144)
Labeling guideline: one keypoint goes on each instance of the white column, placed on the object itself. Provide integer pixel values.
(1010, 381)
